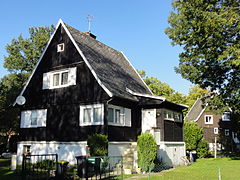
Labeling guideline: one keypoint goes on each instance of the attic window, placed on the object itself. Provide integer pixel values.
(60, 47)
(208, 119)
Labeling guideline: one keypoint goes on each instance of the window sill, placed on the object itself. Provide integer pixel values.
(91, 124)
(115, 124)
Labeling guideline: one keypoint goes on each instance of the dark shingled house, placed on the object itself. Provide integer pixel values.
(79, 87)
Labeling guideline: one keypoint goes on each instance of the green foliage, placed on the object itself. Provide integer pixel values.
(98, 144)
(203, 149)
(193, 135)
(194, 93)
(208, 31)
(22, 56)
(147, 151)
(23, 53)
(162, 89)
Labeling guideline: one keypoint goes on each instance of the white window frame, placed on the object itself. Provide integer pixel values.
(48, 78)
(215, 130)
(60, 85)
(223, 116)
(60, 47)
(205, 119)
(122, 118)
(166, 112)
(26, 118)
(226, 132)
(92, 106)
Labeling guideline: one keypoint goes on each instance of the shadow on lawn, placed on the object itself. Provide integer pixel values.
(5, 172)
(235, 158)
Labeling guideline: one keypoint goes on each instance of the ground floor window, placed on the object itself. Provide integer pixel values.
(226, 132)
(119, 116)
(91, 114)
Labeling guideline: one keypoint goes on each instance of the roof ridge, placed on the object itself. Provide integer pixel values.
(87, 36)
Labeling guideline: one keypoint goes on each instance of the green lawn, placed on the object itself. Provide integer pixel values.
(5, 172)
(206, 169)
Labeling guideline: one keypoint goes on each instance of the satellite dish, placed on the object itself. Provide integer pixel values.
(20, 100)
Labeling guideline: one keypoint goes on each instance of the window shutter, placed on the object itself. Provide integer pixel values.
(46, 80)
(42, 117)
(72, 76)
(25, 119)
(128, 117)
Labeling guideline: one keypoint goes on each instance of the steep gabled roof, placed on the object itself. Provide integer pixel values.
(195, 111)
(111, 66)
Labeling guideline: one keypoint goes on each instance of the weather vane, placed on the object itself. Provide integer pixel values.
(89, 18)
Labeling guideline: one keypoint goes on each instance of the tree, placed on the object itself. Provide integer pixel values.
(23, 54)
(162, 89)
(192, 135)
(194, 93)
(208, 31)
(147, 151)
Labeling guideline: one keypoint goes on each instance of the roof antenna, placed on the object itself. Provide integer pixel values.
(89, 18)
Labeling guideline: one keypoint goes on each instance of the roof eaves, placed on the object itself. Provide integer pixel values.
(145, 95)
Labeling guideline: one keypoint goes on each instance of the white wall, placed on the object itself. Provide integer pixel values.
(65, 150)
(170, 153)
(148, 120)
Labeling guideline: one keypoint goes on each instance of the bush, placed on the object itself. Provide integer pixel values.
(98, 144)
(147, 151)
(203, 149)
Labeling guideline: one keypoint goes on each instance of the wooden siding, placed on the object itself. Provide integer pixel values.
(62, 104)
(117, 133)
(171, 131)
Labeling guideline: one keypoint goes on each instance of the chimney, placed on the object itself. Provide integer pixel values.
(91, 35)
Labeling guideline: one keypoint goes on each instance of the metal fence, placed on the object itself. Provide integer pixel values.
(42, 166)
(47, 166)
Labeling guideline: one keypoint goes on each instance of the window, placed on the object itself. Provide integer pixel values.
(208, 119)
(110, 115)
(27, 148)
(215, 130)
(226, 132)
(119, 116)
(91, 114)
(226, 116)
(60, 47)
(59, 79)
(171, 115)
(33, 118)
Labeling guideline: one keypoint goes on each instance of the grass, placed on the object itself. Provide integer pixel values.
(206, 169)
(5, 172)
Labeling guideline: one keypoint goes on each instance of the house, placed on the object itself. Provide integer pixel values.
(79, 87)
(216, 126)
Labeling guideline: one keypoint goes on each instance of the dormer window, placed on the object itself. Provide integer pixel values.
(60, 47)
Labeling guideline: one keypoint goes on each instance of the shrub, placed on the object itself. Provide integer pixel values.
(147, 151)
(98, 144)
(203, 149)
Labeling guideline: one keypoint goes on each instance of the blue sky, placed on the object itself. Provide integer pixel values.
(135, 27)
